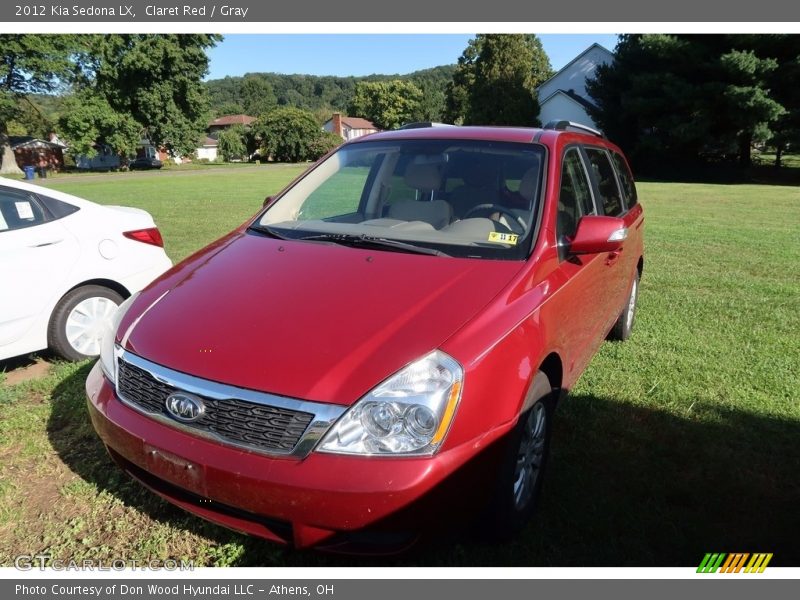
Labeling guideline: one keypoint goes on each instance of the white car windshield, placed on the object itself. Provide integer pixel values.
(455, 197)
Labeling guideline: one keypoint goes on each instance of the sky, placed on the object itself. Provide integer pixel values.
(318, 54)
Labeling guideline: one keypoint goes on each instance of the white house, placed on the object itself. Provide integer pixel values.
(564, 95)
(349, 127)
(208, 149)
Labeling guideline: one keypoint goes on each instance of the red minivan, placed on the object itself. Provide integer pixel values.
(381, 349)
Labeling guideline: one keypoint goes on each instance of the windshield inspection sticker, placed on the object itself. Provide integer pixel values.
(24, 210)
(503, 238)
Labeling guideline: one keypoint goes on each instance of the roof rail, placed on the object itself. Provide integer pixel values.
(564, 125)
(422, 124)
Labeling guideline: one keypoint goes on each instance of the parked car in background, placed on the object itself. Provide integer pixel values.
(65, 265)
(382, 348)
(145, 162)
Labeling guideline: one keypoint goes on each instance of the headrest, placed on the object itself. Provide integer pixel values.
(529, 184)
(423, 177)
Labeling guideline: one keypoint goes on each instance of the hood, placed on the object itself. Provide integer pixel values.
(309, 320)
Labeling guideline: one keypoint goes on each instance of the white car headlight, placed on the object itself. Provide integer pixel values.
(107, 358)
(408, 414)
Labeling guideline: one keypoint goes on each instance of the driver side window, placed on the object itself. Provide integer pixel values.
(574, 200)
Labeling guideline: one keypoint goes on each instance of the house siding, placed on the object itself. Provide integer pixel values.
(208, 152)
(561, 107)
(573, 77)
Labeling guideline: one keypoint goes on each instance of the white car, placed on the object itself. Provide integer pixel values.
(65, 265)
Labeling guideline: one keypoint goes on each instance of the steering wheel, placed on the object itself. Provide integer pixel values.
(501, 209)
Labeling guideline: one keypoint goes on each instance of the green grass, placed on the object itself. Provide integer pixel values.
(191, 207)
(787, 160)
(681, 441)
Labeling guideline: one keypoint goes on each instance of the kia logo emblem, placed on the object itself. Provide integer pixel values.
(185, 407)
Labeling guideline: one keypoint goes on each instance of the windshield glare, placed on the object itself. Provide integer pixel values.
(465, 198)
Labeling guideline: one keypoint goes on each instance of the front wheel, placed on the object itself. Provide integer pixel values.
(519, 481)
(79, 320)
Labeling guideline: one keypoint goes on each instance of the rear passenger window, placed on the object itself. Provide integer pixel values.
(575, 197)
(57, 208)
(625, 180)
(610, 198)
(19, 210)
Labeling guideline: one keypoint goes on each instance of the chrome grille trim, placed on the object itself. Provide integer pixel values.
(323, 415)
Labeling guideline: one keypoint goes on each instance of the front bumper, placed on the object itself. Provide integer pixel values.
(308, 502)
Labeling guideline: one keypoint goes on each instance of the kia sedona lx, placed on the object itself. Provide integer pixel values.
(382, 347)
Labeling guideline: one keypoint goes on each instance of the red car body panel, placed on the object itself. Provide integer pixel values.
(336, 345)
(327, 323)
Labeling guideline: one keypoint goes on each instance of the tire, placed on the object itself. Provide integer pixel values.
(621, 330)
(517, 487)
(84, 307)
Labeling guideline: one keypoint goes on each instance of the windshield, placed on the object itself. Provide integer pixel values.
(454, 197)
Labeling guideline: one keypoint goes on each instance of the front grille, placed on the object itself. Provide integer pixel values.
(263, 427)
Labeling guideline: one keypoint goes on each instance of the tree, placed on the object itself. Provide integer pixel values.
(458, 89)
(152, 80)
(669, 99)
(257, 96)
(228, 108)
(89, 119)
(495, 81)
(782, 83)
(288, 134)
(326, 142)
(747, 106)
(323, 95)
(388, 104)
(232, 144)
(32, 64)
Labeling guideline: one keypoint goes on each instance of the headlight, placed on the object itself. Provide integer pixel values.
(107, 359)
(408, 414)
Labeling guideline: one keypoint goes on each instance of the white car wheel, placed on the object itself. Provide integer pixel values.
(79, 319)
(86, 322)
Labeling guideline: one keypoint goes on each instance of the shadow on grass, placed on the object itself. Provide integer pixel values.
(627, 486)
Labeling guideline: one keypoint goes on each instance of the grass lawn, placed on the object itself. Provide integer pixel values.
(190, 206)
(682, 441)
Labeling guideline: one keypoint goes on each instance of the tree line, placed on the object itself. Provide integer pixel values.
(494, 83)
(666, 99)
(700, 99)
(257, 93)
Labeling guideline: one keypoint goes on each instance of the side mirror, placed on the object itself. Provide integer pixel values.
(267, 201)
(598, 234)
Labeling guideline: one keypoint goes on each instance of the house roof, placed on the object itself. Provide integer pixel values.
(572, 96)
(209, 141)
(17, 141)
(574, 60)
(355, 123)
(226, 120)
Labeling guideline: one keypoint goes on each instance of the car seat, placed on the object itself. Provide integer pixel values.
(426, 179)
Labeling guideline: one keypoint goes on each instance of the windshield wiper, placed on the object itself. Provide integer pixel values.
(271, 232)
(369, 241)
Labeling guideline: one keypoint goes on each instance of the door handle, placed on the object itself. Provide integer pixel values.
(50, 243)
(613, 257)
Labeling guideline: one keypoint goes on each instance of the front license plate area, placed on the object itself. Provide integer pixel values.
(176, 469)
